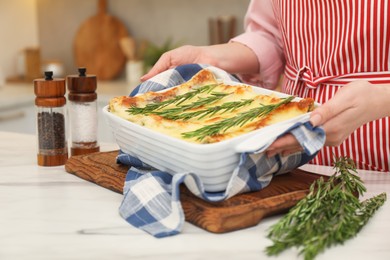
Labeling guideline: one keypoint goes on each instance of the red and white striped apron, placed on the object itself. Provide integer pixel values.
(329, 44)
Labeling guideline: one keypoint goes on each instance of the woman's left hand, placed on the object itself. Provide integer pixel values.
(353, 105)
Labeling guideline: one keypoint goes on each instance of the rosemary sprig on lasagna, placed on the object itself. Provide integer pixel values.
(210, 111)
(239, 120)
(149, 108)
(175, 113)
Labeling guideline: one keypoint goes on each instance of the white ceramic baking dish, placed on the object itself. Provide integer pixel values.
(213, 163)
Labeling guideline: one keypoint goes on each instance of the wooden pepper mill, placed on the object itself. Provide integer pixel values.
(83, 113)
(51, 120)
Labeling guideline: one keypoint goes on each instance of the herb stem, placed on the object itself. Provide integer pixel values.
(239, 120)
(149, 108)
(225, 107)
(330, 214)
(177, 112)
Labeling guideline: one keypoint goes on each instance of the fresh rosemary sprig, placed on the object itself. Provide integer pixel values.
(210, 111)
(239, 120)
(330, 214)
(149, 108)
(174, 113)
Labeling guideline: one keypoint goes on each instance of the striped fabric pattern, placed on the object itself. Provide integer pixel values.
(329, 44)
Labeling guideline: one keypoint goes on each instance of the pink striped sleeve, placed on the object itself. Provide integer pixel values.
(262, 35)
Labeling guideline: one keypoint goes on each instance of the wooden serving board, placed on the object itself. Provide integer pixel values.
(97, 44)
(238, 212)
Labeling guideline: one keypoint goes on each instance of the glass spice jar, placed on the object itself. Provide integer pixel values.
(82, 110)
(51, 120)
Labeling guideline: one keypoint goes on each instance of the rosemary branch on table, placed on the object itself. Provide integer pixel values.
(330, 214)
(149, 108)
(238, 120)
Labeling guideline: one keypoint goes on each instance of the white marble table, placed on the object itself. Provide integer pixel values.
(46, 213)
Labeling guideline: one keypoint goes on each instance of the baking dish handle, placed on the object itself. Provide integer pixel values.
(260, 141)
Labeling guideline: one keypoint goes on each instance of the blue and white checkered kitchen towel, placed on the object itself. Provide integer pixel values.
(152, 198)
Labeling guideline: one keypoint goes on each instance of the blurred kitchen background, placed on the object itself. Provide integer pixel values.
(60, 35)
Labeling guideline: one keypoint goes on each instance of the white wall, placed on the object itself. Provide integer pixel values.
(51, 24)
(183, 21)
(18, 30)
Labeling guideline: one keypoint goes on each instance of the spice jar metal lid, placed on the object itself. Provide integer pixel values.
(49, 91)
(82, 87)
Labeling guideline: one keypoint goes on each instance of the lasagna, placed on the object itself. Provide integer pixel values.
(205, 110)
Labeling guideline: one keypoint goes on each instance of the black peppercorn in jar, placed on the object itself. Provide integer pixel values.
(51, 121)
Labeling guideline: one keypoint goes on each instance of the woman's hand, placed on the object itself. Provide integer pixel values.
(232, 57)
(179, 56)
(353, 105)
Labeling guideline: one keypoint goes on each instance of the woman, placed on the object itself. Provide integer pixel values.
(329, 50)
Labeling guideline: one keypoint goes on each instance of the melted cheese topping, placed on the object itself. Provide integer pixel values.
(120, 105)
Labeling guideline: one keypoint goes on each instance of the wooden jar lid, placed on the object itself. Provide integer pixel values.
(82, 87)
(49, 92)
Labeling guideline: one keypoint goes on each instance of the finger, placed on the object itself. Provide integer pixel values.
(331, 108)
(291, 151)
(271, 153)
(151, 73)
(337, 132)
(286, 141)
(161, 65)
(283, 152)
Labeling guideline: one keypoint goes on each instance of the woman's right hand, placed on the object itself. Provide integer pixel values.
(183, 55)
(232, 57)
